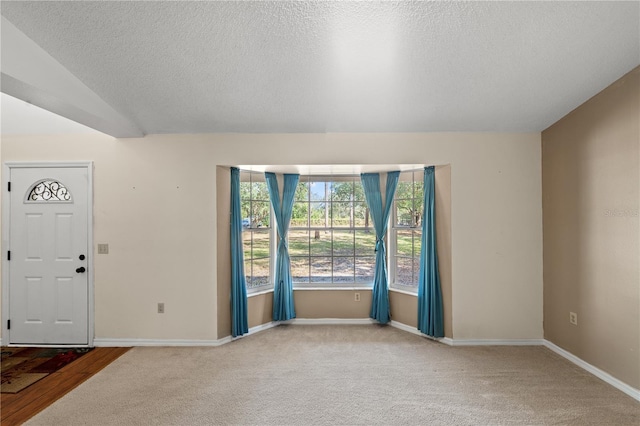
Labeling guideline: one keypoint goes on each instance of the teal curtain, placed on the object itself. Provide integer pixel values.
(283, 308)
(430, 317)
(239, 319)
(380, 215)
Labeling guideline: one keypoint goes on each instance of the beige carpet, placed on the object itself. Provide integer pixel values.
(342, 375)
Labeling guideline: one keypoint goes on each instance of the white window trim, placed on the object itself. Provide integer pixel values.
(273, 236)
(403, 291)
(356, 285)
(335, 288)
(390, 243)
(259, 293)
(391, 252)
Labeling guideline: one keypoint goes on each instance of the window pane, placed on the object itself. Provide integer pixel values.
(245, 207)
(256, 245)
(361, 216)
(365, 243)
(341, 214)
(358, 191)
(416, 271)
(260, 243)
(318, 191)
(260, 274)
(319, 215)
(247, 271)
(418, 184)
(300, 215)
(343, 243)
(404, 270)
(417, 213)
(302, 191)
(299, 243)
(404, 190)
(259, 191)
(246, 247)
(341, 191)
(260, 214)
(417, 242)
(320, 243)
(404, 212)
(365, 267)
(343, 269)
(300, 269)
(404, 243)
(320, 269)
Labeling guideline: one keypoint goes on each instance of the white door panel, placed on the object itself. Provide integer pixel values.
(48, 292)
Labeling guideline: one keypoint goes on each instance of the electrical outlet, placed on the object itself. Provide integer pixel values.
(161, 308)
(573, 318)
(357, 297)
(103, 248)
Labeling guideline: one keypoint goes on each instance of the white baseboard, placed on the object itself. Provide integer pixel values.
(262, 327)
(109, 342)
(413, 330)
(126, 343)
(252, 330)
(330, 321)
(606, 377)
(497, 342)
(469, 342)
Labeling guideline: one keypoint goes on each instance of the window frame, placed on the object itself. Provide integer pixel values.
(392, 232)
(311, 229)
(270, 230)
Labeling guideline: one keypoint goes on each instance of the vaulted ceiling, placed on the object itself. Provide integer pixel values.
(133, 68)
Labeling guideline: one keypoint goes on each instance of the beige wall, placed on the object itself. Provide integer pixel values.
(443, 243)
(260, 310)
(155, 204)
(591, 189)
(404, 308)
(223, 243)
(332, 303)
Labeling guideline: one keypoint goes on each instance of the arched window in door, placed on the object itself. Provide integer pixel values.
(48, 190)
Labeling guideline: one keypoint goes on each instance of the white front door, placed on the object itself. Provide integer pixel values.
(49, 250)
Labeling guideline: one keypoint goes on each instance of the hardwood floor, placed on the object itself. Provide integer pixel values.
(19, 407)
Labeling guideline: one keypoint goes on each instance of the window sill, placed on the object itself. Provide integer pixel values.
(261, 292)
(336, 287)
(408, 293)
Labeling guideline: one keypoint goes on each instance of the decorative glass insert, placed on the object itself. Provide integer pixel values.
(48, 190)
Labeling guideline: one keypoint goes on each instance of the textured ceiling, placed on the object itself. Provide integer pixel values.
(201, 67)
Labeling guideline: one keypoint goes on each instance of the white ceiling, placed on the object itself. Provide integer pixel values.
(303, 66)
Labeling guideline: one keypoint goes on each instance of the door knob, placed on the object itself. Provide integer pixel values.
(80, 270)
(81, 257)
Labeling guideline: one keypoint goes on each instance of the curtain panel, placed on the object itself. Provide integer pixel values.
(239, 316)
(283, 307)
(380, 215)
(430, 315)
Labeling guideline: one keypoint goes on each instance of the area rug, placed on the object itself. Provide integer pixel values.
(22, 367)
